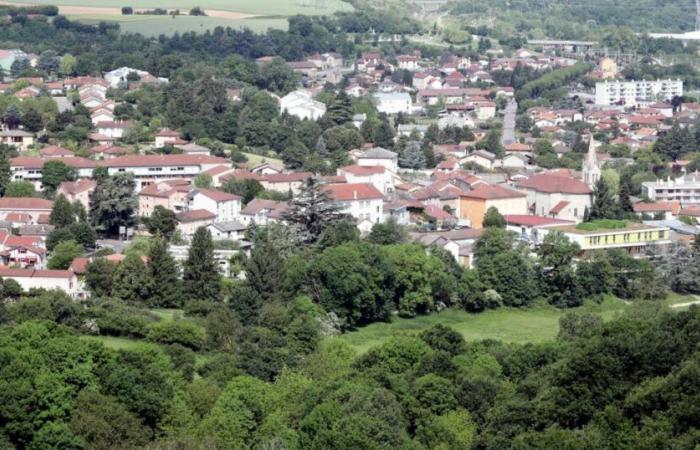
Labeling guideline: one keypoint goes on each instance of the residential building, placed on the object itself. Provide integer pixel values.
(393, 103)
(685, 189)
(529, 228)
(632, 237)
(556, 196)
(64, 280)
(475, 203)
(232, 230)
(226, 207)
(33, 207)
(301, 104)
(362, 201)
(632, 93)
(658, 210)
(170, 194)
(190, 220)
(166, 136)
(285, 182)
(378, 156)
(19, 139)
(148, 169)
(377, 176)
(262, 212)
(78, 191)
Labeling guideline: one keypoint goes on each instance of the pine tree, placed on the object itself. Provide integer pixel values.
(163, 271)
(5, 171)
(201, 273)
(384, 135)
(340, 111)
(603, 206)
(132, 282)
(62, 214)
(321, 148)
(412, 156)
(313, 210)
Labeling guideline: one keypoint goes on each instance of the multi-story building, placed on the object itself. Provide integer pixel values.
(475, 203)
(632, 93)
(77, 191)
(632, 237)
(362, 201)
(148, 169)
(685, 189)
(226, 207)
(393, 103)
(555, 196)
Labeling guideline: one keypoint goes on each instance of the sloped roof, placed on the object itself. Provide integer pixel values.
(492, 192)
(549, 183)
(353, 191)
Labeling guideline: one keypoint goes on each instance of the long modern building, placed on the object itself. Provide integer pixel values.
(685, 189)
(632, 93)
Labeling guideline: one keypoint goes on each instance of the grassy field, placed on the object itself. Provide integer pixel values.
(118, 343)
(258, 16)
(153, 26)
(254, 160)
(536, 324)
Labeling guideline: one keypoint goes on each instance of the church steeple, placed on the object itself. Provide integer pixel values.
(591, 169)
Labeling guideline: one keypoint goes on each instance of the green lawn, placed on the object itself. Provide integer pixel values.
(254, 160)
(536, 324)
(153, 26)
(167, 314)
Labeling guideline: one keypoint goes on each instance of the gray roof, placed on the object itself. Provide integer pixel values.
(232, 225)
(63, 104)
(378, 153)
(15, 133)
(35, 230)
(193, 148)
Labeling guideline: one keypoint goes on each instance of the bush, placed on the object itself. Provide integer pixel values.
(116, 318)
(177, 332)
(127, 10)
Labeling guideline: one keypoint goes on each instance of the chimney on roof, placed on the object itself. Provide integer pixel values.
(354, 195)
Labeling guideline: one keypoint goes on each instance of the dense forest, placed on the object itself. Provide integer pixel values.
(579, 19)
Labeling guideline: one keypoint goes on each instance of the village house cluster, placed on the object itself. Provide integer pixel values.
(444, 206)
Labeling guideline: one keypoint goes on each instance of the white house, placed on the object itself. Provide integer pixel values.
(362, 201)
(189, 221)
(378, 156)
(226, 207)
(231, 230)
(393, 103)
(64, 280)
(300, 103)
(113, 129)
(634, 92)
(19, 139)
(262, 212)
(377, 176)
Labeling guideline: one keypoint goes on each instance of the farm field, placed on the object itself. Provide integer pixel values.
(537, 324)
(257, 16)
(152, 26)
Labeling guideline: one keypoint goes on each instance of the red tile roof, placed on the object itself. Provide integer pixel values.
(671, 206)
(362, 170)
(549, 183)
(352, 191)
(33, 273)
(24, 203)
(492, 192)
(55, 150)
(163, 160)
(559, 207)
(286, 177)
(76, 187)
(195, 215)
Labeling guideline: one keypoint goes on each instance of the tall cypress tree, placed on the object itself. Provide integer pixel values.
(603, 206)
(201, 274)
(62, 214)
(163, 270)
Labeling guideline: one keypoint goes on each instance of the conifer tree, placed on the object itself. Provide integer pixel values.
(603, 206)
(313, 210)
(163, 271)
(412, 156)
(62, 214)
(201, 273)
(132, 282)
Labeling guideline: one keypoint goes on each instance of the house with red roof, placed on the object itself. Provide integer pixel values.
(658, 210)
(170, 194)
(475, 203)
(55, 151)
(190, 220)
(226, 207)
(362, 201)
(30, 278)
(285, 182)
(529, 228)
(262, 212)
(78, 191)
(31, 207)
(552, 194)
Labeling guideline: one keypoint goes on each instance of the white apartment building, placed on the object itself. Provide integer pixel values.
(632, 93)
(148, 169)
(685, 189)
(226, 207)
(393, 103)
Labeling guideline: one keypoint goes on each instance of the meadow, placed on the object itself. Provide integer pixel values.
(258, 16)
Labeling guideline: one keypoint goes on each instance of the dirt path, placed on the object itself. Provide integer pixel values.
(683, 305)
(108, 11)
